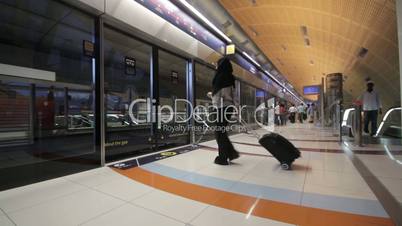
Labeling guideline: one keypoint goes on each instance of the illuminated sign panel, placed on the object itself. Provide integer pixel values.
(311, 90)
(171, 13)
(230, 49)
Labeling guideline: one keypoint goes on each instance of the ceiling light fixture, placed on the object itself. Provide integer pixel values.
(362, 52)
(253, 31)
(282, 85)
(304, 31)
(204, 19)
(250, 58)
(305, 36)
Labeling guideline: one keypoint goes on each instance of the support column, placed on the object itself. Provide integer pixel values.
(154, 95)
(99, 92)
(190, 90)
(399, 27)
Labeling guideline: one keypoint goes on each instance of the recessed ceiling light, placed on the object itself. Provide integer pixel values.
(362, 52)
(307, 42)
(253, 31)
(304, 31)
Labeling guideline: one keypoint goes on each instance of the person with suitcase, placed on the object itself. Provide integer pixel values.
(224, 99)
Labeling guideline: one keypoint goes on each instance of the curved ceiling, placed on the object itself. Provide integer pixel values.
(337, 31)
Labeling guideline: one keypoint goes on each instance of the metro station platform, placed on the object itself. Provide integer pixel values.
(184, 187)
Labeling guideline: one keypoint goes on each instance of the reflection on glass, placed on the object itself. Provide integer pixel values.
(203, 83)
(248, 102)
(172, 88)
(127, 78)
(41, 42)
(262, 112)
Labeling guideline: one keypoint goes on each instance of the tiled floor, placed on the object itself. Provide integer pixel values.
(324, 188)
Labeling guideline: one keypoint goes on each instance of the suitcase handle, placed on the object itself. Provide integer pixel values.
(254, 134)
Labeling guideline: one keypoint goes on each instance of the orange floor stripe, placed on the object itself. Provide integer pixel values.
(289, 213)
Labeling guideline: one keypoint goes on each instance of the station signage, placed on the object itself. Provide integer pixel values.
(230, 49)
(88, 48)
(311, 90)
(174, 76)
(129, 65)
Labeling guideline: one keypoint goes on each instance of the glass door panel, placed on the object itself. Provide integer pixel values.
(172, 93)
(203, 84)
(127, 78)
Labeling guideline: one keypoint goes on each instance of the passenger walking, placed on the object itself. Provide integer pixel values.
(310, 113)
(277, 114)
(224, 99)
(292, 113)
(371, 107)
(315, 113)
(301, 112)
(283, 114)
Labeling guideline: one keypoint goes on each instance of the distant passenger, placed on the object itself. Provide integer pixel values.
(277, 114)
(301, 112)
(283, 114)
(292, 113)
(223, 97)
(312, 112)
(371, 107)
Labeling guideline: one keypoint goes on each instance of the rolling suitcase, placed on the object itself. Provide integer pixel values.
(284, 151)
(292, 117)
(280, 148)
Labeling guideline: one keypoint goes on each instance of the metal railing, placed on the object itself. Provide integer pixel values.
(390, 124)
(333, 117)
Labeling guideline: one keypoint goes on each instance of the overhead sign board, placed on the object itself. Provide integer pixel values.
(311, 90)
(230, 49)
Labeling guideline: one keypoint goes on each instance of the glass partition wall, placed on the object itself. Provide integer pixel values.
(46, 93)
(127, 78)
(58, 64)
(248, 102)
(203, 84)
(172, 118)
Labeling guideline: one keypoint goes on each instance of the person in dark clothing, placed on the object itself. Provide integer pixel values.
(224, 100)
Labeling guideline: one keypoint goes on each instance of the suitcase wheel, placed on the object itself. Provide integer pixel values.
(285, 166)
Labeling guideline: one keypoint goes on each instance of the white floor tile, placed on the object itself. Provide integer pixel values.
(34, 194)
(94, 177)
(243, 164)
(67, 210)
(276, 178)
(188, 162)
(4, 221)
(129, 215)
(174, 206)
(214, 216)
(337, 180)
(124, 188)
(337, 191)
